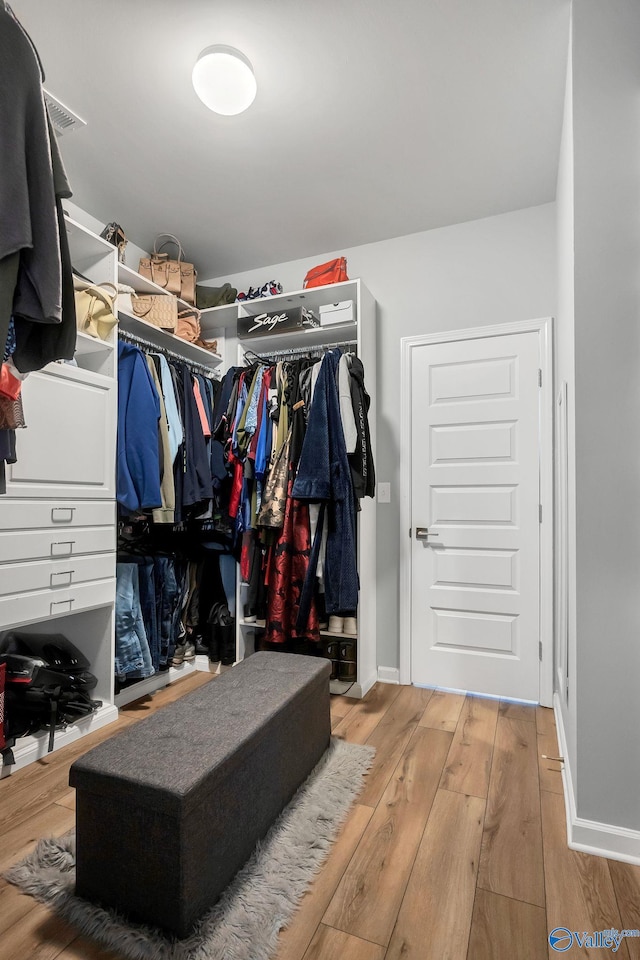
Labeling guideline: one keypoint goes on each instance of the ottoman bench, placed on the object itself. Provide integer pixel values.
(169, 810)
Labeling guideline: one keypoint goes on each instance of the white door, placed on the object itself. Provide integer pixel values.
(475, 515)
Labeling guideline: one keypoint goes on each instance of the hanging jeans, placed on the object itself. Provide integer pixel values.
(147, 587)
(133, 657)
(168, 597)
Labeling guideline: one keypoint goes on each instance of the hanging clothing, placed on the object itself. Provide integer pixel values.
(324, 475)
(32, 186)
(363, 474)
(166, 512)
(346, 405)
(138, 456)
(27, 193)
(133, 655)
(174, 423)
(288, 568)
(197, 485)
(204, 420)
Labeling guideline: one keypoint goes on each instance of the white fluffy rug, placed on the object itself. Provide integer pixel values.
(245, 923)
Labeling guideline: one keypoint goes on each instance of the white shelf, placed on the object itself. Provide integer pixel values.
(143, 688)
(85, 242)
(140, 284)
(86, 344)
(67, 371)
(301, 338)
(312, 299)
(213, 319)
(163, 338)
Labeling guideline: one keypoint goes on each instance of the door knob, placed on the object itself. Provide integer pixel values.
(422, 533)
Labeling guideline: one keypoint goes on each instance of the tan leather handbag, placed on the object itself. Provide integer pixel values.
(188, 325)
(95, 312)
(175, 276)
(161, 311)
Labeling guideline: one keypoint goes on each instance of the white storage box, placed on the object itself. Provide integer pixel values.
(342, 312)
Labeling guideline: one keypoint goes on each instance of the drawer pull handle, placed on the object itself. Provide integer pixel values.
(62, 514)
(68, 544)
(57, 603)
(67, 574)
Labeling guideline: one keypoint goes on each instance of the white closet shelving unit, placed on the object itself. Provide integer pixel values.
(58, 520)
(361, 332)
(192, 353)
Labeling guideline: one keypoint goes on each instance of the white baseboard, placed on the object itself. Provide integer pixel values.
(590, 836)
(388, 675)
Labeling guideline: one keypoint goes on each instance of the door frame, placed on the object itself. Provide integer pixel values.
(544, 328)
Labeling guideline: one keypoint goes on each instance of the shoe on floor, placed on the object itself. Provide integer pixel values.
(336, 625)
(350, 626)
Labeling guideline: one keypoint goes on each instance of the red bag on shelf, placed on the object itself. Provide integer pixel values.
(335, 271)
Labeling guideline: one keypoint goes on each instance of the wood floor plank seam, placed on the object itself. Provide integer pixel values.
(407, 724)
(484, 818)
(462, 793)
(475, 893)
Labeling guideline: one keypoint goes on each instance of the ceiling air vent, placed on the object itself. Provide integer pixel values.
(63, 119)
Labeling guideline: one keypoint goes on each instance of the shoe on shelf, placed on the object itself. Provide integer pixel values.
(347, 671)
(335, 625)
(330, 648)
(347, 650)
(189, 652)
(350, 626)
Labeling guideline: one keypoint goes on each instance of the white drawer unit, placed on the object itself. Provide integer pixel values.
(68, 449)
(45, 604)
(55, 574)
(38, 514)
(67, 542)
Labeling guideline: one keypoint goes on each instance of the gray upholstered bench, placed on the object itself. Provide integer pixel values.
(169, 810)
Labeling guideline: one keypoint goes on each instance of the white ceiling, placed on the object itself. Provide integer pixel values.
(373, 118)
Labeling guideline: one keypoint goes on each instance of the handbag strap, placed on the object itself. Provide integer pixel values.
(100, 289)
(193, 312)
(135, 299)
(169, 239)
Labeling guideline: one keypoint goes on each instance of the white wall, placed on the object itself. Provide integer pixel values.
(606, 134)
(565, 371)
(497, 270)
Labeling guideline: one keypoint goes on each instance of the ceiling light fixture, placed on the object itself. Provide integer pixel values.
(223, 79)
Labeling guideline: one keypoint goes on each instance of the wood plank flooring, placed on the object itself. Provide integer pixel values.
(455, 849)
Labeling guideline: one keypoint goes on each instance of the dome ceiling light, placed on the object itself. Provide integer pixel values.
(223, 79)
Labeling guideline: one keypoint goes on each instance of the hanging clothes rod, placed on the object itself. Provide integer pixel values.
(316, 351)
(154, 348)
